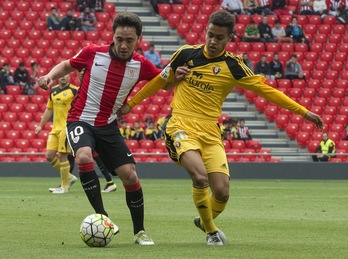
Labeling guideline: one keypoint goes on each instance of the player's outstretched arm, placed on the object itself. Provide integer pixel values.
(315, 118)
(56, 72)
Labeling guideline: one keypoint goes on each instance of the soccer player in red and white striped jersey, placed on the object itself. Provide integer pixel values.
(111, 72)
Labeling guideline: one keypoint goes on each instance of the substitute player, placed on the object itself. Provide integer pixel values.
(193, 136)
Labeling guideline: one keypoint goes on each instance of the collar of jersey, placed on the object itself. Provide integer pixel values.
(205, 52)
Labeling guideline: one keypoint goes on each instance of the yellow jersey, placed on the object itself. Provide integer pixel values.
(60, 101)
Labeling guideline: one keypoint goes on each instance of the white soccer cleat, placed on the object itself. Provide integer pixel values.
(214, 239)
(143, 239)
(110, 188)
(71, 181)
(59, 190)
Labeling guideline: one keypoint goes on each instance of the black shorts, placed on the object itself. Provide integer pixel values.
(106, 141)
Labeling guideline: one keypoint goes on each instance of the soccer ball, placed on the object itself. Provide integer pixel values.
(97, 230)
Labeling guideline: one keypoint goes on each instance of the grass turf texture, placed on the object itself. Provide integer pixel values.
(264, 219)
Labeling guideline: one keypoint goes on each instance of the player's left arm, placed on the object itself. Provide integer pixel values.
(256, 84)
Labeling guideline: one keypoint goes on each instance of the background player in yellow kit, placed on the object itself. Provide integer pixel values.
(193, 136)
(57, 148)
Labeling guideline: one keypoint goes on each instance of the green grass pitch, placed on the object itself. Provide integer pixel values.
(264, 219)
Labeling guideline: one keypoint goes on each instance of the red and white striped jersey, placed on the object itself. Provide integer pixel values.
(106, 83)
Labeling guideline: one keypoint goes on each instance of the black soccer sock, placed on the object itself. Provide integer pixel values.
(90, 184)
(103, 169)
(135, 203)
(71, 159)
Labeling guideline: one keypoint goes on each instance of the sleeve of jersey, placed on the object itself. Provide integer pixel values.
(256, 84)
(152, 86)
(79, 60)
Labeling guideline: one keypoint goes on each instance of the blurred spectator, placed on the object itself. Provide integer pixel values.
(6, 77)
(96, 5)
(153, 56)
(136, 132)
(233, 125)
(54, 22)
(140, 51)
(326, 148)
(225, 130)
(70, 22)
(262, 67)
(294, 31)
(265, 30)
(335, 7)
(275, 67)
(124, 130)
(21, 78)
(148, 120)
(279, 33)
(235, 7)
(162, 123)
(155, 3)
(152, 132)
(293, 69)
(243, 131)
(33, 74)
(251, 33)
(320, 8)
(264, 8)
(80, 5)
(306, 7)
(343, 16)
(279, 7)
(88, 20)
(344, 134)
(247, 61)
(250, 6)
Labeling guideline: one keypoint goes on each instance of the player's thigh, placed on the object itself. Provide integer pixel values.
(63, 144)
(114, 152)
(52, 141)
(214, 157)
(80, 135)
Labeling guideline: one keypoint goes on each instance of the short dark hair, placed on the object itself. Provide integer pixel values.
(222, 18)
(21, 64)
(124, 19)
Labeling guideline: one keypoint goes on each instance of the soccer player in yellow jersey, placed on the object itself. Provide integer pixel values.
(193, 136)
(57, 147)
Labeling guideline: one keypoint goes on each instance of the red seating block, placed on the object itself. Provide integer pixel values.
(282, 121)
(303, 138)
(292, 130)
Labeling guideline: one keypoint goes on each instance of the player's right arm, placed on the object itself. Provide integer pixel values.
(56, 72)
(45, 118)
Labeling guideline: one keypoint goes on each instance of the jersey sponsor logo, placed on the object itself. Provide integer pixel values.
(132, 72)
(98, 65)
(195, 81)
(190, 63)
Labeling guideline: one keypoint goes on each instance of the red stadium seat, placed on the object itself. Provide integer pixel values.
(287, 47)
(253, 144)
(26, 117)
(153, 109)
(324, 93)
(281, 121)
(318, 75)
(292, 130)
(337, 127)
(271, 112)
(301, 47)
(335, 38)
(324, 29)
(192, 38)
(317, 136)
(330, 47)
(322, 65)
(339, 93)
(343, 47)
(339, 29)
(12, 134)
(343, 110)
(311, 56)
(343, 144)
(238, 144)
(307, 66)
(258, 46)
(330, 110)
(295, 93)
(316, 47)
(244, 46)
(328, 119)
(243, 19)
(341, 119)
(261, 104)
(10, 117)
(303, 138)
(273, 47)
(296, 119)
(312, 146)
(164, 10)
(336, 66)
(304, 101)
(13, 89)
(183, 29)
(332, 75)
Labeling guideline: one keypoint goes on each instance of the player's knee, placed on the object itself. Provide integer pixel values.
(199, 180)
(84, 156)
(222, 195)
(127, 174)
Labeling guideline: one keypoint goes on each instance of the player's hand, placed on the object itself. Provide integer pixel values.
(38, 129)
(181, 72)
(315, 118)
(125, 109)
(44, 82)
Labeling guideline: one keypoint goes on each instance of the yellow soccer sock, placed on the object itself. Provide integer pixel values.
(217, 206)
(56, 164)
(202, 201)
(64, 173)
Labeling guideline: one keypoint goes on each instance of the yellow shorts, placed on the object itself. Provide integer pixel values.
(57, 141)
(184, 134)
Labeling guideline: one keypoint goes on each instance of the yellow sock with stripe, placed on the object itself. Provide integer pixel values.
(64, 173)
(217, 206)
(202, 201)
(55, 164)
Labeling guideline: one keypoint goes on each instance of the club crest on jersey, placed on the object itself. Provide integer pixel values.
(132, 72)
(76, 139)
(216, 70)
(64, 94)
(177, 144)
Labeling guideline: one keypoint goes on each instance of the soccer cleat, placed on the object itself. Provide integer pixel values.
(116, 229)
(53, 188)
(214, 239)
(222, 235)
(110, 187)
(71, 181)
(59, 190)
(143, 239)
